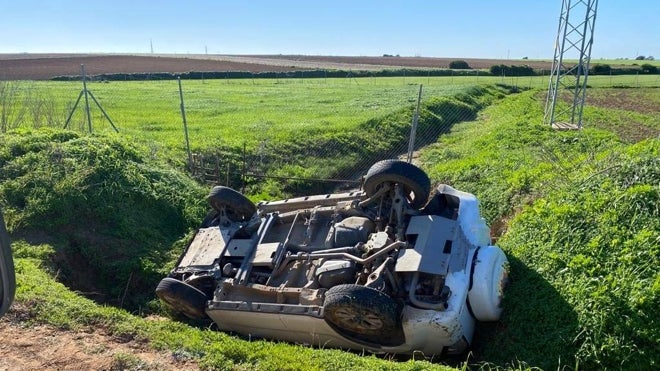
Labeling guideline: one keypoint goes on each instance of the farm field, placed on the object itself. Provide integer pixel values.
(47, 66)
(264, 117)
(560, 204)
(231, 112)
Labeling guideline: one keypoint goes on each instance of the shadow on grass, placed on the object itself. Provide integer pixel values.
(537, 329)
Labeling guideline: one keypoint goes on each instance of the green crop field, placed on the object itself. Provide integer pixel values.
(230, 112)
(576, 212)
(624, 62)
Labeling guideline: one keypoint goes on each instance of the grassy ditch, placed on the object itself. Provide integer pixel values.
(110, 212)
(340, 154)
(578, 216)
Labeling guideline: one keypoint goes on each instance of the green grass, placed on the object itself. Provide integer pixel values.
(231, 112)
(583, 239)
(343, 121)
(611, 62)
(110, 211)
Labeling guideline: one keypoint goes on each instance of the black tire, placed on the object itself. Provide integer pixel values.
(182, 297)
(7, 274)
(414, 180)
(363, 314)
(237, 207)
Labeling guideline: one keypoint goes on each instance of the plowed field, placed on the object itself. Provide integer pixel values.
(47, 66)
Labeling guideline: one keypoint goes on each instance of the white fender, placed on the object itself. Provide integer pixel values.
(490, 275)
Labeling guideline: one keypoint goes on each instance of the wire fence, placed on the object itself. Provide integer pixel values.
(337, 162)
(309, 163)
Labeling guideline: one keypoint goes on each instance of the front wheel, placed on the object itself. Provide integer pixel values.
(182, 297)
(363, 314)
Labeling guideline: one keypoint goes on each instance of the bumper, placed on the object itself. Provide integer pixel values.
(427, 332)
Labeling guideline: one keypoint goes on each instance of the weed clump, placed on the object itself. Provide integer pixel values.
(110, 210)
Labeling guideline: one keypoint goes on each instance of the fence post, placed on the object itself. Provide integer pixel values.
(84, 81)
(413, 128)
(217, 169)
(243, 176)
(227, 182)
(185, 124)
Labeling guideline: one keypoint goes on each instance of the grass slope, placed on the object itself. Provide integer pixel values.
(583, 242)
(109, 210)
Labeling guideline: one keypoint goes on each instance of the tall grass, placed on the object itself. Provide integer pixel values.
(110, 211)
(582, 236)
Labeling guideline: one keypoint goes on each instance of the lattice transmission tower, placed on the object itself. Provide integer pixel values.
(570, 67)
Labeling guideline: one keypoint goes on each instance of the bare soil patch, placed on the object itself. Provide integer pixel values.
(625, 102)
(43, 67)
(42, 347)
(636, 100)
(47, 66)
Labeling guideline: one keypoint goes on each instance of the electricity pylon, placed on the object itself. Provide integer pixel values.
(574, 41)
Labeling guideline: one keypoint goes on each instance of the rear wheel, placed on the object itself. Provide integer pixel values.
(182, 297)
(416, 184)
(363, 314)
(236, 206)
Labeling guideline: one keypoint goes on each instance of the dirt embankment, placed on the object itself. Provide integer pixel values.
(40, 347)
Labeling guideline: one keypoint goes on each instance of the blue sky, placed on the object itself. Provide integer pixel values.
(434, 28)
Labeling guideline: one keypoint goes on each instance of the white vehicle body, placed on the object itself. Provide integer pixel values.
(379, 270)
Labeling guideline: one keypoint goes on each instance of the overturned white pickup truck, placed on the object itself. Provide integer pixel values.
(386, 269)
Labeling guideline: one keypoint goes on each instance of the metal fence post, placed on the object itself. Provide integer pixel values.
(243, 176)
(185, 124)
(413, 128)
(84, 81)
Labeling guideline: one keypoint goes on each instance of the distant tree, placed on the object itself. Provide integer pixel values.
(650, 58)
(502, 70)
(459, 65)
(601, 69)
(640, 58)
(497, 69)
(525, 58)
(649, 68)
